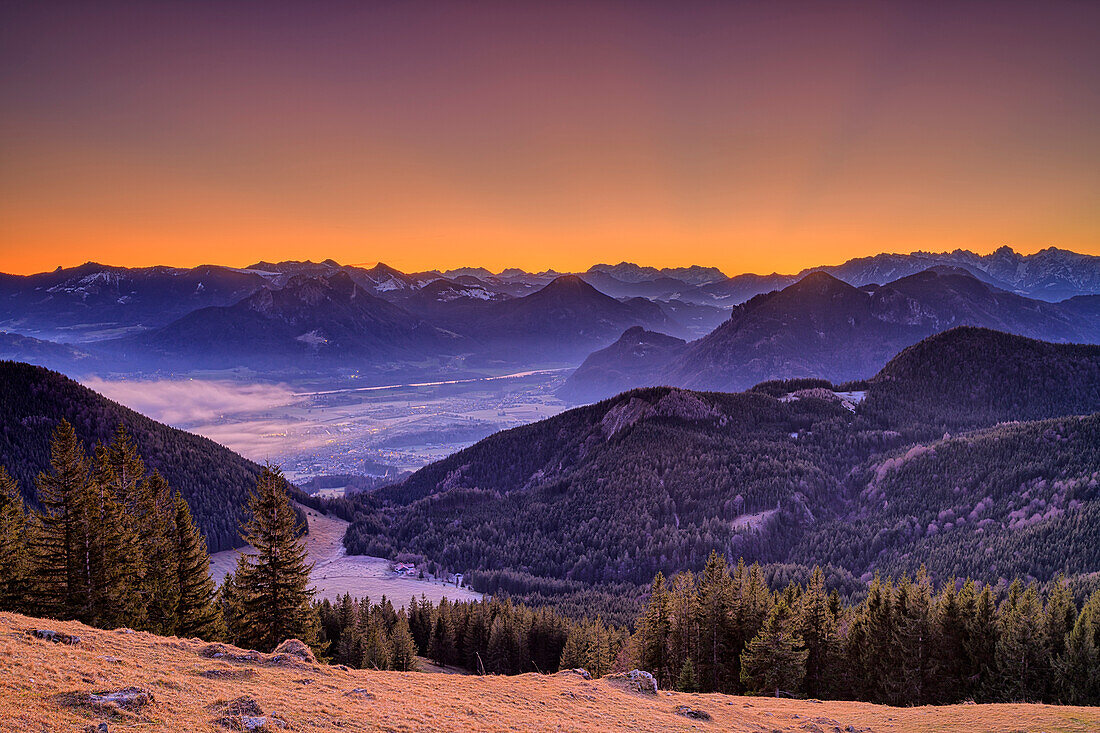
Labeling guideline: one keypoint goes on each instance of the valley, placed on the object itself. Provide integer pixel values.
(336, 573)
(314, 428)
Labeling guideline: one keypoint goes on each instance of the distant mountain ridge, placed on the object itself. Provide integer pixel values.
(326, 319)
(823, 327)
(96, 303)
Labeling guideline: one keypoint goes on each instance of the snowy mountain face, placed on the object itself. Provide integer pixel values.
(1050, 274)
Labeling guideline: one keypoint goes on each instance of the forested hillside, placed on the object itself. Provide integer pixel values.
(790, 472)
(1020, 499)
(213, 479)
(973, 377)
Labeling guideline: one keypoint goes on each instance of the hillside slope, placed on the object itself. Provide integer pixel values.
(656, 478)
(214, 480)
(47, 686)
(635, 360)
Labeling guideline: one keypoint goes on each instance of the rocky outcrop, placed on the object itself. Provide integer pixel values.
(294, 648)
(637, 680)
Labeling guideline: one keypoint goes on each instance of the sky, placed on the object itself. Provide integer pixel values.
(754, 137)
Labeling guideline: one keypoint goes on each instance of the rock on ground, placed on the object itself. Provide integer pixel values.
(637, 680)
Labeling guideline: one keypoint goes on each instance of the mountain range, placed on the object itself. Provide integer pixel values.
(334, 316)
(823, 327)
(865, 476)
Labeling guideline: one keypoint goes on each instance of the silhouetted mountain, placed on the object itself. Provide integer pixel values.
(736, 290)
(628, 272)
(1050, 274)
(654, 479)
(96, 301)
(563, 321)
(658, 288)
(214, 480)
(49, 354)
(311, 319)
(818, 327)
(635, 360)
(822, 327)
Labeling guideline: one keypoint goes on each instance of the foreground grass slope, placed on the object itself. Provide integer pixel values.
(45, 687)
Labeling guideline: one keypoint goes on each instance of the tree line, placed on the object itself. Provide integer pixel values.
(109, 545)
(904, 644)
(112, 545)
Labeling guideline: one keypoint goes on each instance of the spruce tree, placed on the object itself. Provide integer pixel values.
(230, 604)
(13, 545)
(982, 645)
(683, 630)
(196, 613)
(686, 681)
(716, 627)
(156, 514)
(274, 581)
(1078, 668)
(775, 659)
(1021, 647)
(118, 558)
(653, 632)
(818, 629)
(404, 648)
(61, 547)
(1058, 620)
(441, 648)
(913, 640)
(574, 653)
(950, 656)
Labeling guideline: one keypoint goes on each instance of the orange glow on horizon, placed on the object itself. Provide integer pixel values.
(749, 137)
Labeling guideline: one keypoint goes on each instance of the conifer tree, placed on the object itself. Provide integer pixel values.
(156, 516)
(1078, 668)
(683, 630)
(1058, 618)
(196, 613)
(982, 645)
(871, 649)
(818, 630)
(117, 557)
(686, 681)
(13, 545)
(775, 659)
(716, 629)
(128, 469)
(375, 651)
(404, 648)
(274, 582)
(1021, 646)
(913, 640)
(950, 656)
(574, 653)
(420, 622)
(230, 604)
(441, 648)
(60, 553)
(653, 632)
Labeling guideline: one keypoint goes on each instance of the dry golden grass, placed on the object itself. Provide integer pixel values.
(44, 687)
